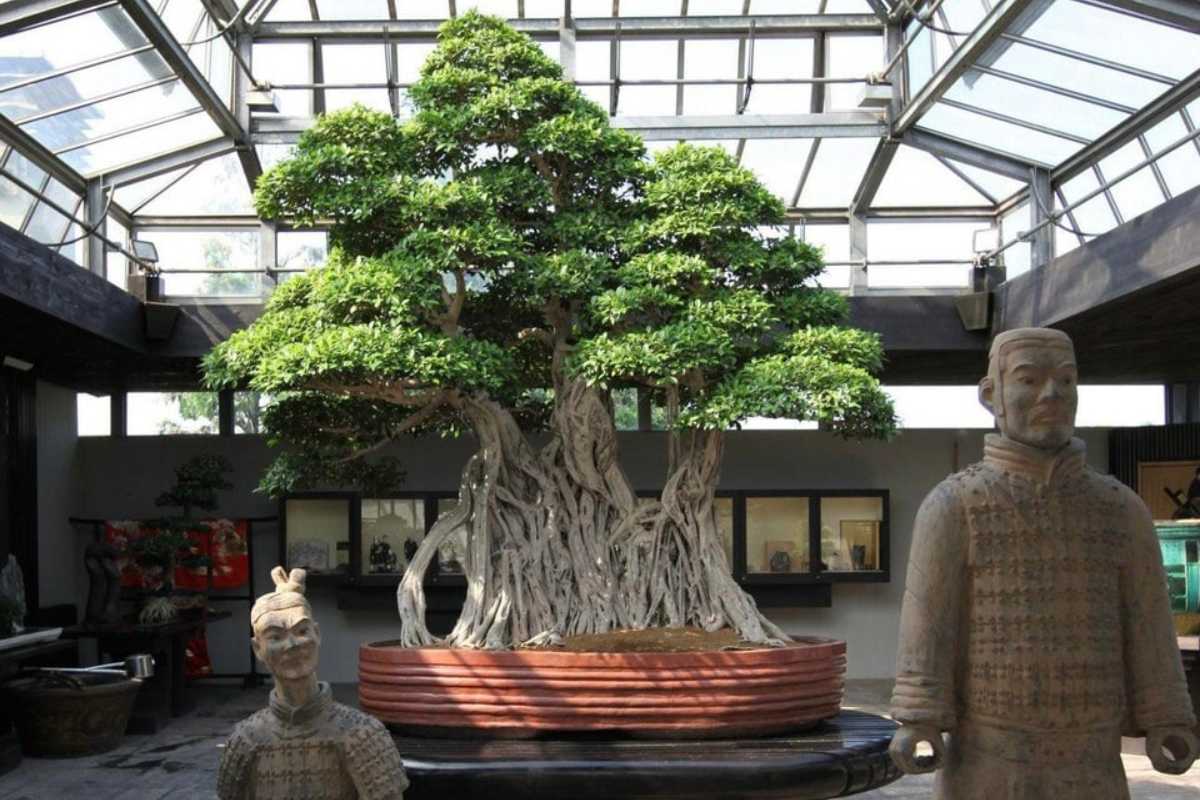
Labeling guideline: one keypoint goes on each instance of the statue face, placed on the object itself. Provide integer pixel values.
(1038, 394)
(288, 642)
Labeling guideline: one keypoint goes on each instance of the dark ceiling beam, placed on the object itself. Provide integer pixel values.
(41, 157)
(36, 277)
(156, 31)
(1003, 14)
(586, 28)
(1159, 246)
(18, 14)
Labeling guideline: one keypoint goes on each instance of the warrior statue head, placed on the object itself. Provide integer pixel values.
(1031, 386)
(286, 638)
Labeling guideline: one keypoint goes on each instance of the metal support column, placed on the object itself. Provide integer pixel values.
(1041, 206)
(268, 253)
(858, 252)
(97, 251)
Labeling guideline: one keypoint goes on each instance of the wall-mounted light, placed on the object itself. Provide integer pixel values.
(16, 363)
(261, 100)
(144, 250)
(985, 241)
(875, 97)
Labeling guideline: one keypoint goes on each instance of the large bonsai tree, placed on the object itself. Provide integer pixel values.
(499, 264)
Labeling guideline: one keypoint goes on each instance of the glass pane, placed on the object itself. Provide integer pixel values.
(132, 195)
(221, 251)
(355, 63)
(94, 414)
(1066, 114)
(906, 241)
(999, 186)
(778, 163)
(318, 535)
(75, 87)
(915, 178)
(283, 63)
(1117, 37)
(651, 8)
(1090, 79)
(99, 119)
(74, 250)
(1120, 406)
(143, 145)
(918, 276)
(784, 6)
(422, 9)
(1019, 257)
(836, 172)
(710, 59)
(507, 9)
(15, 202)
(452, 554)
(850, 533)
(1139, 192)
(776, 534)
(216, 186)
(248, 410)
(939, 407)
(1094, 217)
(391, 532)
(71, 41)
(1181, 167)
(543, 9)
(352, 9)
(994, 134)
(299, 11)
(155, 413)
(781, 59)
(48, 225)
(850, 57)
(724, 8)
(272, 154)
(301, 250)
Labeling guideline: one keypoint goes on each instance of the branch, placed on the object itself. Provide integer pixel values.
(407, 424)
(404, 393)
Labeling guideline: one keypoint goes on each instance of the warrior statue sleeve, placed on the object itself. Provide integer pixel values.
(375, 763)
(934, 595)
(1156, 684)
(237, 759)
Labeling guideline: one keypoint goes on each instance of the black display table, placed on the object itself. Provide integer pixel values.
(844, 756)
(163, 696)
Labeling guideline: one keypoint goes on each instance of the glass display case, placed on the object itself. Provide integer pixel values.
(777, 535)
(392, 529)
(316, 531)
(850, 528)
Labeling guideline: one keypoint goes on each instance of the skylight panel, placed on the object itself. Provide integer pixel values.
(997, 185)
(997, 135)
(721, 8)
(292, 11)
(837, 172)
(961, 16)
(142, 144)
(710, 59)
(594, 8)
(778, 163)
(353, 9)
(74, 88)
(15, 201)
(355, 63)
(544, 9)
(1118, 37)
(761, 7)
(48, 225)
(1181, 167)
(284, 63)
(648, 60)
(781, 59)
(71, 41)
(850, 57)
(85, 124)
(915, 178)
(216, 186)
(1069, 115)
(1093, 218)
(1084, 77)
(650, 8)
(1139, 192)
(132, 195)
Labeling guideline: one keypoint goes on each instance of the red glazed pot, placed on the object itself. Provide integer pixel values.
(526, 692)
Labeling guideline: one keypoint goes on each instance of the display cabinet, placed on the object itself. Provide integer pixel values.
(317, 532)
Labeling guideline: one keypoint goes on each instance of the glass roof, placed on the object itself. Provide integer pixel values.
(99, 92)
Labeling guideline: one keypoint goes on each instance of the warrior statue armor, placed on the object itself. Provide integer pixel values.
(304, 746)
(1035, 628)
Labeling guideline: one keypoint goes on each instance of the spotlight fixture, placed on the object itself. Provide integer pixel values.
(985, 240)
(144, 250)
(875, 97)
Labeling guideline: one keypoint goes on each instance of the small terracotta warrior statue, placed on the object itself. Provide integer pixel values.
(305, 746)
(1035, 627)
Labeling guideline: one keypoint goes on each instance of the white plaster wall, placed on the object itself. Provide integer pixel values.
(120, 478)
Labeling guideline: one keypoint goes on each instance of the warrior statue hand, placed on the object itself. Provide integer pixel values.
(1171, 750)
(904, 749)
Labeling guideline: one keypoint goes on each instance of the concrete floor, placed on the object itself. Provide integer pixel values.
(181, 761)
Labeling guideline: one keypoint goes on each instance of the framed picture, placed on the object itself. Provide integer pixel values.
(1171, 489)
(309, 554)
(860, 541)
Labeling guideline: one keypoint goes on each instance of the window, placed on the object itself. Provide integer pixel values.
(777, 535)
(392, 529)
(93, 414)
(158, 413)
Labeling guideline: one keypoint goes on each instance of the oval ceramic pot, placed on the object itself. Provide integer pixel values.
(63, 721)
(526, 692)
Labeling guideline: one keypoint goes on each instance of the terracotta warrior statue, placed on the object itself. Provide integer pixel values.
(304, 746)
(1035, 628)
